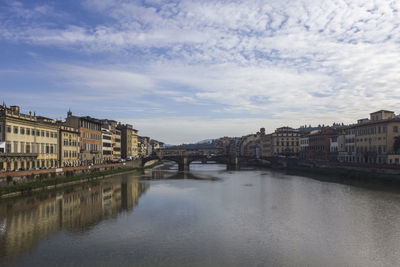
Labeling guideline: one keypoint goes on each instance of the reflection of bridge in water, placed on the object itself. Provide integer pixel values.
(162, 174)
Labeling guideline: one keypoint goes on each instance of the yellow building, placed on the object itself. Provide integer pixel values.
(375, 138)
(30, 141)
(68, 146)
(135, 143)
(286, 141)
(116, 144)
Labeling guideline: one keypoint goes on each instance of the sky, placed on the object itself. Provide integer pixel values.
(182, 71)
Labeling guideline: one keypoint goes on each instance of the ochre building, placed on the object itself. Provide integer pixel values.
(30, 140)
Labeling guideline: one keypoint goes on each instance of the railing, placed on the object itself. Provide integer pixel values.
(19, 154)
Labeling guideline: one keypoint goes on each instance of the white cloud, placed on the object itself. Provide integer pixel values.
(300, 60)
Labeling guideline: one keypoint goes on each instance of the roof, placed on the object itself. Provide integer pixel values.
(382, 110)
(375, 122)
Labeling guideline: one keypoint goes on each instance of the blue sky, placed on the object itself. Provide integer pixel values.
(183, 71)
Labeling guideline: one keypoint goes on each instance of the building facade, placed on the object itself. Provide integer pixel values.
(304, 142)
(126, 140)
(110, 126)
(144, 146)
(68, 143)
(90, 138)
(30, 141)
(375, 139)
(286, 141)
(135, 143)
(319, 145)
(107, 149)
(116, 144)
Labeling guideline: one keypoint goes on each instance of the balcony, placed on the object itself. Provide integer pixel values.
(16, 155)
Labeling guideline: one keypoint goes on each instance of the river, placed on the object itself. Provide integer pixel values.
(207, 217)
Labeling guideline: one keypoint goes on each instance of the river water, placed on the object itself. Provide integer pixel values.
(207, 217)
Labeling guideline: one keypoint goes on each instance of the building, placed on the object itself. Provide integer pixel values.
(286, 141)
(111, 127)
(68, 145)
(126, 139)
(90, 138)
(144, 146)
(349, 153)
(304, 142)
(266, 145)
(29, 141)
(249, 146)
(223, 145)
(156, 145)
(319, 145)
(375, 138)
(337, 147)
(116, 144)
(256, 145)
(106, 143)
(135, 143)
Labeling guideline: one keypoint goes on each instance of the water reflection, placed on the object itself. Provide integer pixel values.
(171, 174)
(246, 218)
(25, 222)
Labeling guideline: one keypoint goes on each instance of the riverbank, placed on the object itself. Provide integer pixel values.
(154, 164)
(26, 188)
(360, 178)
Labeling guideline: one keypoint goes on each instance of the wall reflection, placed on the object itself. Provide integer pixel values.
(25, 222)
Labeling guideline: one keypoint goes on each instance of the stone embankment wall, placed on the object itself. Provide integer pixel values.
(33, 175)
(377, 168)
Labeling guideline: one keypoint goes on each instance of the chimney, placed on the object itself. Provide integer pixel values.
(15, 109)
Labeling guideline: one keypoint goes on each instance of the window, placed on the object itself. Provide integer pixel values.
(28, 131)
(15, 147)
(395, 129)
(22, 147)
(28, 148)
(16, 129)
(8, 129)
(22, 130)
(42, 133)
(8, 149)
(47, 134)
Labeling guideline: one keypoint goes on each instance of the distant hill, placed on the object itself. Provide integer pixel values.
(209, 143)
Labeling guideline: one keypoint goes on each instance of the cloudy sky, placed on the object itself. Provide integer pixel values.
(183, 71)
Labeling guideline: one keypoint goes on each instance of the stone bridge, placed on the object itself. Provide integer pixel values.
(184, 161)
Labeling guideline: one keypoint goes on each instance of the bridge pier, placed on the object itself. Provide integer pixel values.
(183, 165)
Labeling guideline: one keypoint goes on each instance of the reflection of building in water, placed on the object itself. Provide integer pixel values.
(27, 221)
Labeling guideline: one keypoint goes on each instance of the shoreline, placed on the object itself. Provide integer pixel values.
(37, 186)
(359, 178)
